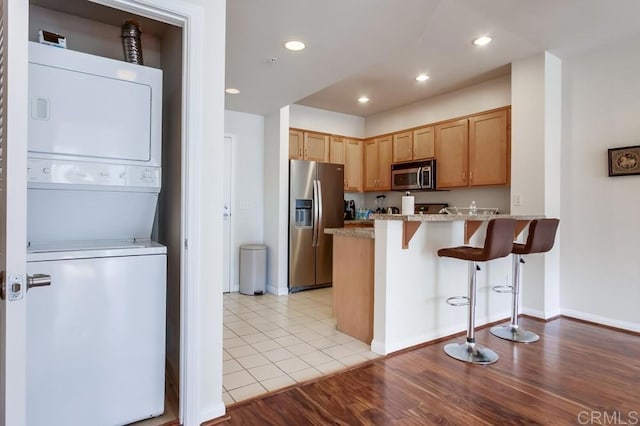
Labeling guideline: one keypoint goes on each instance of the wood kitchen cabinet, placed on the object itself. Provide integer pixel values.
(377, 164)
(489, 150)
(402, 147)
(353, 164)
(308, 146)
(414, 145)
(424, 143)
(474, 151)
(296, 144)
(451, 149)
(337, 150)
(316, 147)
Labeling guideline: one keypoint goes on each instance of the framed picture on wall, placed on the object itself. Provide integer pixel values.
(624, 161)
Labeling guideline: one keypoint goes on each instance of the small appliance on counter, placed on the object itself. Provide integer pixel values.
(393, 210)
(381, 204)
(349, 210)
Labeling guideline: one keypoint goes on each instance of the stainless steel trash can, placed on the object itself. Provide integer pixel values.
(253, 269)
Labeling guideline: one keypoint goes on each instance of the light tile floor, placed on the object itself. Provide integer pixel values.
(271, 342)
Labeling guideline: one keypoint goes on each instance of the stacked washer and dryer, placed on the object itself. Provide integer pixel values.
(96, 302)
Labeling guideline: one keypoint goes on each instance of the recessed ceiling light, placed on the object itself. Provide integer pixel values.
(482, 41)
(363, 99)
(294, 45)
(422, 77)
(232, 91)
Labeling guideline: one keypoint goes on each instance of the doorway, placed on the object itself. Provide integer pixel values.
(227, 185)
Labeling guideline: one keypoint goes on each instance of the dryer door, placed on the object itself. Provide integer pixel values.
(86, 115)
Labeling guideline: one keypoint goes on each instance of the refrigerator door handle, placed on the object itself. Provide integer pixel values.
(320, 227)
(316, 214)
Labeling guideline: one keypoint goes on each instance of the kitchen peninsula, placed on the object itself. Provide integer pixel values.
(390, 286)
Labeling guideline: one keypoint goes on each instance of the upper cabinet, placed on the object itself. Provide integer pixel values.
(377, 164)
(474, 151)
(451, 140)
(402, 147)
(424, 143)
(308, 146)
(353, 164)
(350, 153)
(489, 149)
(470, 151)
(296, 144)
(316, 147)
(413, 145)
(336, 149)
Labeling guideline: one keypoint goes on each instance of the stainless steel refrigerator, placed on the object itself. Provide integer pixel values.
(316, 202)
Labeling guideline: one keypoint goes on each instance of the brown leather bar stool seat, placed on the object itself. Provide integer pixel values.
(542, 235)
(498, 243)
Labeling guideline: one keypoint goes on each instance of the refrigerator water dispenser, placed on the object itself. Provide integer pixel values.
(304, 217)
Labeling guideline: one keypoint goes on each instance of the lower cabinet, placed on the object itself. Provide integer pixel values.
(353, 286)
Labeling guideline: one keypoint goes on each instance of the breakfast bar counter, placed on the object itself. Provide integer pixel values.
(390, 286)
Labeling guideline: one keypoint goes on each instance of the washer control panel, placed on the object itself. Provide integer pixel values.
(45, 171)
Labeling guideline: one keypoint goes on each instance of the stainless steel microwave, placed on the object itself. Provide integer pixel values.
(418, 176)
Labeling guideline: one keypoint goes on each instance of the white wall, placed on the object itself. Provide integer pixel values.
(600, 252)
(247, 197)
(209, 283)
(276, 196)
(485, 197)
(535, 169)
(480, 97)
(320, 120)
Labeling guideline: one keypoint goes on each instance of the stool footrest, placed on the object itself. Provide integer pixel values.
(502, 288)
(458, 301)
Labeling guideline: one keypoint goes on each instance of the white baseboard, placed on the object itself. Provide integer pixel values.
(278, 291)
(611, 322)
(385, 348)
(540, 314)
(210, 413)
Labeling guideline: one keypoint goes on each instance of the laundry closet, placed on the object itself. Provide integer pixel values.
(104, 206)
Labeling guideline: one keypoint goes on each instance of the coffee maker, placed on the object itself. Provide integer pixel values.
(349, 210)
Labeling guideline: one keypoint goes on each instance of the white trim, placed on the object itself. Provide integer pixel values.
(190, 18)
(278, 291)
(13, 314)
(539, 314)
(234, 285)
(611, 322)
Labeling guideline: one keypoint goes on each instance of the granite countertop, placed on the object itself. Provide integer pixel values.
(352, 231)
(451, 217)
(359, 222)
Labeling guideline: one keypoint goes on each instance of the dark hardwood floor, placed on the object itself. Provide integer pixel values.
(577, 373)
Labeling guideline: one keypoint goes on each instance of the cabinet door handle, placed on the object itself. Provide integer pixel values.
(470, 176)
(464, 176)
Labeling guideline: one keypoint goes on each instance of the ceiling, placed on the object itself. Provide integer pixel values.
(377, 47)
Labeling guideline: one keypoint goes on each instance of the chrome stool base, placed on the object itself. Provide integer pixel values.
(515, 334)
(471, 352)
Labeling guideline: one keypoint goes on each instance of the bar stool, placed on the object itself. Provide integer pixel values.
(498, 243)
(542, 234)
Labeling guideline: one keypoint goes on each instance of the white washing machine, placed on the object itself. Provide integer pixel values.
(96, 304)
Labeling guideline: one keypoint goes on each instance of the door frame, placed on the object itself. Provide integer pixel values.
(231, 282)
(13, 315)
(190, 18)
